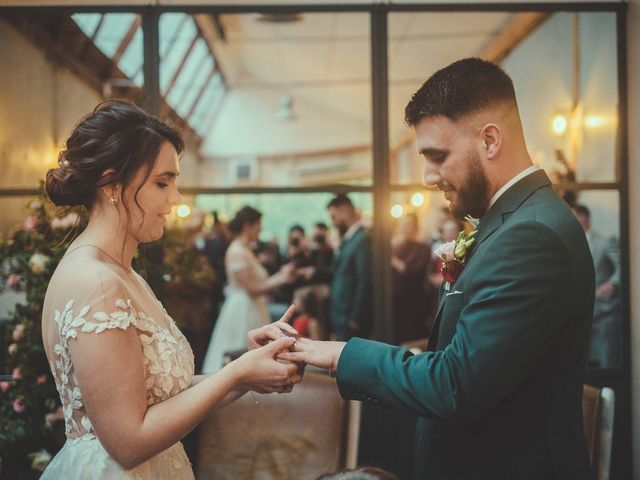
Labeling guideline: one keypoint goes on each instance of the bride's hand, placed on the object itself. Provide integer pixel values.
(263, 335)
(259, 370)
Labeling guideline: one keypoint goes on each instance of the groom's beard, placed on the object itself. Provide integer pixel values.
(473, 195)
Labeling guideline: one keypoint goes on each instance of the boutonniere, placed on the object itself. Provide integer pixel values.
(454, 253)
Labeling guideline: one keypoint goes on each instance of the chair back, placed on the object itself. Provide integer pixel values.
(302, 434)
(598, 412)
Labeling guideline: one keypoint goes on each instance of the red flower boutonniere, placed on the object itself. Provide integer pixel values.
(454, 253)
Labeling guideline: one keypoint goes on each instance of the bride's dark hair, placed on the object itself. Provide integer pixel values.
(117, 135)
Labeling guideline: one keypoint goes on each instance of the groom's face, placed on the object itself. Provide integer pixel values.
(452, 153)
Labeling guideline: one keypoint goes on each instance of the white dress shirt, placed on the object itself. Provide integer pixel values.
(517, 178)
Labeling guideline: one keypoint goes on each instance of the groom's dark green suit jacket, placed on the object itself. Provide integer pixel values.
(500, 392)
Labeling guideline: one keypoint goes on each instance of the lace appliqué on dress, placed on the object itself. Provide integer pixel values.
(167, 357)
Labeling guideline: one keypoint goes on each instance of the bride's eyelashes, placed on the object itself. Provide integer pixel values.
(162, 185)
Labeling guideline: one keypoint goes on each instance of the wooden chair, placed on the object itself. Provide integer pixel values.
(303, 434)
(598, 412)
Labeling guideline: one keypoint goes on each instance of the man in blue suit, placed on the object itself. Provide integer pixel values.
(499, 393)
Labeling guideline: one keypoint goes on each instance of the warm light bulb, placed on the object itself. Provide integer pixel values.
(594, 121)
(397, 211)
(183, 211)
(417, 199)
(559, 124)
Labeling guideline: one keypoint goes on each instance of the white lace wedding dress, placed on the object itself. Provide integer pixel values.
(88, 301)
(240, 311)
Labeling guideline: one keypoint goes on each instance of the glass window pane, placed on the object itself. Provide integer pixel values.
(195, 64)
(601, 222)
(111, 37)
(133, 57)
(114, 28)
(88, 22)
(418, 219)
(544, 63)
(281, 211)
(420, 43)
(296, 104)
(177, 44)
(567, 94)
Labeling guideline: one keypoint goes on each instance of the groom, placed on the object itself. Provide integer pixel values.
(499, 392)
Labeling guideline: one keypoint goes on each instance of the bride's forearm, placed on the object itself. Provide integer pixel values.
(167, 422)
(231, 397)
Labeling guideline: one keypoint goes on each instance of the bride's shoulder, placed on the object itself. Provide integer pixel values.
(87, 277)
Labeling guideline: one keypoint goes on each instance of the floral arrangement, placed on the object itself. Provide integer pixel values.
(454, 253)
(29, 402)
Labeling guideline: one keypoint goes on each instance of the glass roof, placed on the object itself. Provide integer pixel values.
(190, 81)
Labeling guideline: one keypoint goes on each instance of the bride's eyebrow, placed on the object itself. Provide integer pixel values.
(169, 174)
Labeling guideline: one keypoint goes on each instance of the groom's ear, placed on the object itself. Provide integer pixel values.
(491, 137)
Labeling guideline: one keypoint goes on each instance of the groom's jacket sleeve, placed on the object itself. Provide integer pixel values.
(512, 315)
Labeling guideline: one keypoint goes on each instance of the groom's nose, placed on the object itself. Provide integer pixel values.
(431, 176)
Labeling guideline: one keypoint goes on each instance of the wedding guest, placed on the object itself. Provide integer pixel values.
(245, 304)
(350, 303)
(409, 263)
(606, 331)
(307, 323)
(320, 248)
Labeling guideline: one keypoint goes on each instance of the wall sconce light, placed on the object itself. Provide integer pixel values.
(397, 211)
(595, 121)
(417, 199)
(183, 211)
(559, 124)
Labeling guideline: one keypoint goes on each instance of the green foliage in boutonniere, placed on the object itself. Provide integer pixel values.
(454, 253)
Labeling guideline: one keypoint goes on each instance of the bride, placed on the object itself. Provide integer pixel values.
(123, 370)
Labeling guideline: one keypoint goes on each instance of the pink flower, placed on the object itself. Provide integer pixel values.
(13, 349)
(13, 281)
(70, 219)
(4, 386)
(18, 406)
(42, 379)
(18, 332)
(17, 374)
(30, 222)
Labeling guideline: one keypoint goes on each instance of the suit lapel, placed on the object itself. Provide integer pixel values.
(508, 203)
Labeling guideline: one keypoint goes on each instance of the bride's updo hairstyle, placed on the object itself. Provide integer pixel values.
(117, 135)
(245, 216)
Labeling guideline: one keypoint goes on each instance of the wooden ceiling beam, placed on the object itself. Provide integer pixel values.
(515, 31)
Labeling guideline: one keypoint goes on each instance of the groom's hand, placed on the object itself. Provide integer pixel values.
(263, 335)
(314, 352)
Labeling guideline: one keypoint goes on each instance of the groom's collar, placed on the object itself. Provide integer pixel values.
(509, 201)
(526, 172)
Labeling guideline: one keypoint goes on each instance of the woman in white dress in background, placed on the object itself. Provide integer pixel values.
(123, 370)
(245, 306)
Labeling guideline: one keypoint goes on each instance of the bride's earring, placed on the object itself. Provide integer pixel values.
(113, 201)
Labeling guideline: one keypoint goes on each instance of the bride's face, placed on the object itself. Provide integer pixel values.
(149, 208)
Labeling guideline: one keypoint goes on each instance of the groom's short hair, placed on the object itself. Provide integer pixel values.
(463, 87)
